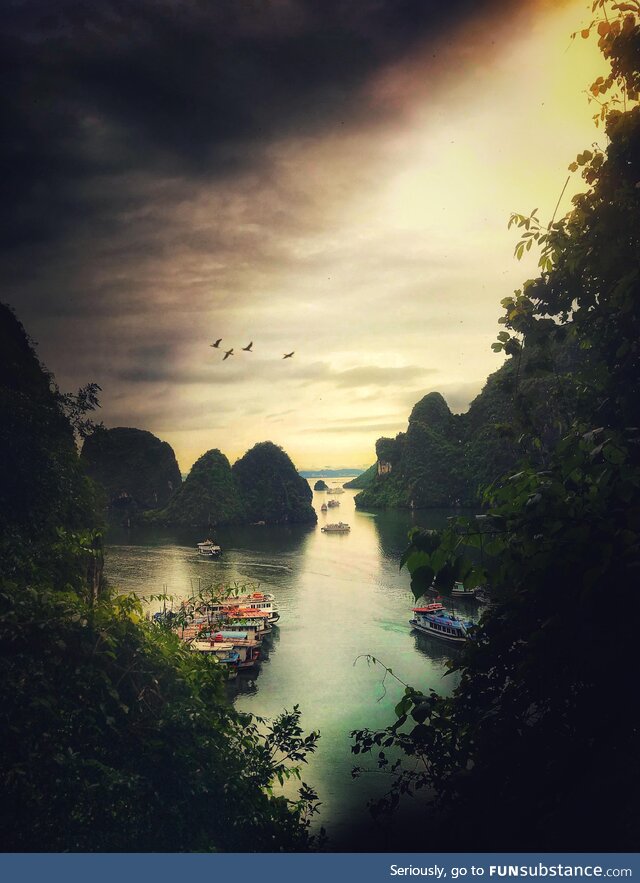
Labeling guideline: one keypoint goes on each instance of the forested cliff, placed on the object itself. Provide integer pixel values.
(114, 737)
(135, 469)
(446, 459)
(263, 485)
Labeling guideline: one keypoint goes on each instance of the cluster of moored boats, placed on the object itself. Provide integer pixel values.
(231, 630)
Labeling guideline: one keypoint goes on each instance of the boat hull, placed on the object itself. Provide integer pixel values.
(425, 629)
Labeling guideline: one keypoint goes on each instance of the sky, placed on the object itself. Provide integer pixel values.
(330, 178)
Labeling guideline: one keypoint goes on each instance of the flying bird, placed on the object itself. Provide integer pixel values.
(288, 355)
(247, 349)
(227, 354)
(217, 343)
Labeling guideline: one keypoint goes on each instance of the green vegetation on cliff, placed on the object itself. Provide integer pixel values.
(136, 469)
(43, 489)
(421, 467)
(540, 723)
(263, 485)
(364, 479)
(113, 735)
(208, 497)
(444, 459)
(271, 489)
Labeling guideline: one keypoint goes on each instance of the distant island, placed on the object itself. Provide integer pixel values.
(140, 479)
(329, 473)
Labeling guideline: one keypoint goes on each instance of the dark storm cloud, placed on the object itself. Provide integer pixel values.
(95, 91)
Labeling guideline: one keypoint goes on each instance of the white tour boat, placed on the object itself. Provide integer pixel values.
(209, 549)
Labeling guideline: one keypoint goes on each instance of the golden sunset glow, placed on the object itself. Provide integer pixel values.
(377, 249)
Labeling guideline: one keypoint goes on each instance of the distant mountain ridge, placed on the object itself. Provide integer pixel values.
(329, 473)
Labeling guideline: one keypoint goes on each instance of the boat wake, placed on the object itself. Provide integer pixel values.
(270, 566)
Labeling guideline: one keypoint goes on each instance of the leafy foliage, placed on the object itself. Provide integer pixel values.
(113, 735)
(537, 747)
(120, 739)
(43, 490)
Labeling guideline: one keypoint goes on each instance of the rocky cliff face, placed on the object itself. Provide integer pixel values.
(136, 469)
(271, 489)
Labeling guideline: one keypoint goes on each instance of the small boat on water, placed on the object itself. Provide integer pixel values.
(333, 503)
(335, 490)
(220, 651)
(209, 549)
(323, 508)
(433, 619)
(459, 591)
(340, 527)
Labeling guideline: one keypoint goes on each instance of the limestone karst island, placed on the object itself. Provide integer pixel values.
(319, 440)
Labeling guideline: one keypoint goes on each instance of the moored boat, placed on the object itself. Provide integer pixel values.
(209, 549)
(333, 503)
(340, 527)
(459, 591)
(220, 651)
(262, 601)
(324, 507)
(247, 647)
(434, 619)
(253, 621)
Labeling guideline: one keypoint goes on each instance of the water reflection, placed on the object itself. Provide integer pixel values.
(341, 597)
(244, 685)
(436, 649)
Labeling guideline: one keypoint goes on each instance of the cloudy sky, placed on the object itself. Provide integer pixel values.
(330, 177)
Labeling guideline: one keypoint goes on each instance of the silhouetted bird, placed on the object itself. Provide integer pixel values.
(247, 349)
(288, 355)
(227, 354)
(217, 343)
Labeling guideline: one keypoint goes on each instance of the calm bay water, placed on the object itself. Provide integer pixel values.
(341, 596)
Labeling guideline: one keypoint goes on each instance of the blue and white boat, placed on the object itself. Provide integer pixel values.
(433, 619)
